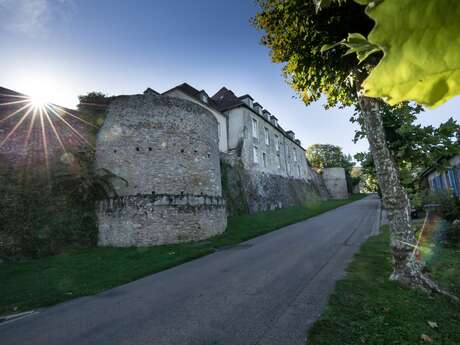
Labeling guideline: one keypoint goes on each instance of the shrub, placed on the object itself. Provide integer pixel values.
(449, 205)
(453, 234)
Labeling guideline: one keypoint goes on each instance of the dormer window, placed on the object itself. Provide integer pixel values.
(204, 97)
(266, 114)
(248, 100)
(257, 108)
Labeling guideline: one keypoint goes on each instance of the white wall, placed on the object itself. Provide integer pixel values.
(240, 127)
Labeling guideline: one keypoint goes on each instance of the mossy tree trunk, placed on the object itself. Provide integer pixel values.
(406, 268)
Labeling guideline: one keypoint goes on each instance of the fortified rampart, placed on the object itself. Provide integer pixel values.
(250, 191)
(336, 182)
(165, 152)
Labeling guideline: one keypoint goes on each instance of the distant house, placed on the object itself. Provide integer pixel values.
(444, 181)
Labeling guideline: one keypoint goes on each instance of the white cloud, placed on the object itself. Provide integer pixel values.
(31, 17)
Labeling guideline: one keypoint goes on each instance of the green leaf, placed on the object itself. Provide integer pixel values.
(421, 41)
(356, 43)
(321, 4)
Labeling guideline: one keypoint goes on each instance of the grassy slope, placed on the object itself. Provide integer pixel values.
(83, 272)
(366, 308)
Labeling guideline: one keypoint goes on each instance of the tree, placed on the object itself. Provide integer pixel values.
(413, 147)
(295, 33)
(94, 105)
(323, 156)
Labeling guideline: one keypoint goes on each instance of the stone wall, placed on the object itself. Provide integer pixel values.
(249, 191)
(165, 152)
(336, 182)
(154, 219)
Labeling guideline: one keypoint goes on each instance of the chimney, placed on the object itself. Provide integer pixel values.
(290, 134)
(258, 108)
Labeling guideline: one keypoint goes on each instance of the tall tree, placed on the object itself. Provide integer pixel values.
(413, 146)
(295, 33)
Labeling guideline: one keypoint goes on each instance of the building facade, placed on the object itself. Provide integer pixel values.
(250, 132)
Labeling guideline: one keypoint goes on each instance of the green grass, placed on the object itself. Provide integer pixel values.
(82, 272)
(366, 308)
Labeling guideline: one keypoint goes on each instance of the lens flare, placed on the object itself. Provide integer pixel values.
(35, 117)
(38, 101)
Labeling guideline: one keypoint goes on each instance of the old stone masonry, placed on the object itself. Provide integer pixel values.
(186, 161)
(166, 151)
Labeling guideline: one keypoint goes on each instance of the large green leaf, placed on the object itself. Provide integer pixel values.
(421, 44)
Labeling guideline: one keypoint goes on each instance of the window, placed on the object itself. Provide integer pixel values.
(264, 156)
(254, 128)
(452, 182)
(279, 161)
(218, 132)
(254, 154)
(267, 140)
(295, 155)
(298, 170)
(277, 143)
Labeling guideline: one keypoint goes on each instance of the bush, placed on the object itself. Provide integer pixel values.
(453, 234)
(449, 205)
(36, 223)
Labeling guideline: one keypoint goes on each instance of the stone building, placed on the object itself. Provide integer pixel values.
(165, 152)
(276, 171)
(184, 160)
(250, 131)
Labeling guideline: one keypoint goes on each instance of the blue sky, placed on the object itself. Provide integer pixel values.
(64, 48)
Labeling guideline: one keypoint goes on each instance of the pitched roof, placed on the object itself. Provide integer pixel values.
(225, 99)
(194, 93)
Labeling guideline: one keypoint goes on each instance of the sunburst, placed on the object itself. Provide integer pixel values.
(38, 114)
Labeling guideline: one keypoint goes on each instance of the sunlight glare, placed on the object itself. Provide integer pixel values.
(38, 101)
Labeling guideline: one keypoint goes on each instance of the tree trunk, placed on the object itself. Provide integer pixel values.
(406, 268)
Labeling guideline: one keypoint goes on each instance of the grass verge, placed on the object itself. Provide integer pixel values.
(83, 272)
(366, 308)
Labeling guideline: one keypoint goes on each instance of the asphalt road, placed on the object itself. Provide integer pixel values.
(267, 291)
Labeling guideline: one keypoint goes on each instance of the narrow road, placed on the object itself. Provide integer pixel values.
(266, 291)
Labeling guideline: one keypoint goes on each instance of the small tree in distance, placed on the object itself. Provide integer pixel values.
(322, 156)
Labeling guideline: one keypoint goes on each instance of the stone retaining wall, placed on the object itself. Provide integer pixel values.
(143, 220)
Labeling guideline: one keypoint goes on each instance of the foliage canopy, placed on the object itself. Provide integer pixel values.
(328, 156)
(295, 33)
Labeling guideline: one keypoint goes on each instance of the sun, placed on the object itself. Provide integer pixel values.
(39, 101)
